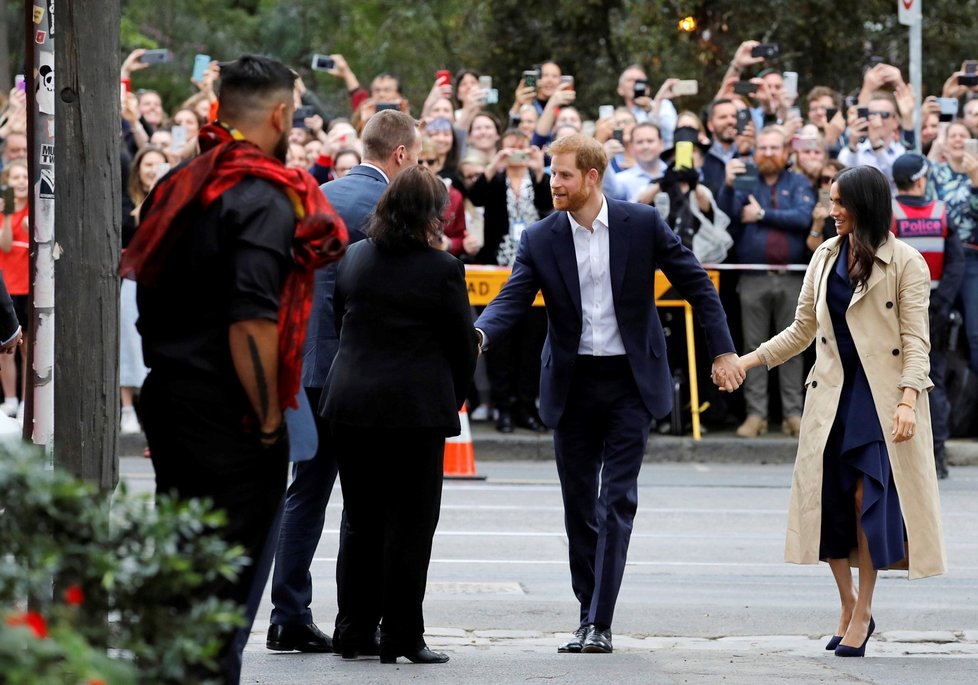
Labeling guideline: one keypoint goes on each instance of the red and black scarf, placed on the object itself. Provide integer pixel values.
(225, 159)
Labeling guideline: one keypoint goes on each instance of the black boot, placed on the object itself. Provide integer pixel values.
(941, 464)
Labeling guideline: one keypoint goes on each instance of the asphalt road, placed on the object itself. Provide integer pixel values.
(706, 597)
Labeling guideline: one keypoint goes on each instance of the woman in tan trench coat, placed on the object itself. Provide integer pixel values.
(864, 491)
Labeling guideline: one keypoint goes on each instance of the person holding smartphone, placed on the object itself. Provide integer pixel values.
(956, 184)
(14, 251)
(874, 134)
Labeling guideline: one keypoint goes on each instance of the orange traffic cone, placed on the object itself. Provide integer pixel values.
(459, 454)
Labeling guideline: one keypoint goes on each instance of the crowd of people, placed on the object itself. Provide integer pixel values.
(751, 181)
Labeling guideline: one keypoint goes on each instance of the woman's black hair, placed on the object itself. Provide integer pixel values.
(409, 212)
(865, 193)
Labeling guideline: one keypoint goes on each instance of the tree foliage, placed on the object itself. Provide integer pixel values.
(825, 41)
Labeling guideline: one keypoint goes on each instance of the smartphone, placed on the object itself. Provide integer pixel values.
(790, 79)
(830, 113)
(765, 50)
(619, 135)
(491, 97)
(641, 89)
(201, 62)
(322, 63)
(162, 169)
(793, 113)
(746, 181)
(567, 79)
(302, 113)
(381, 106)
(949, 108)
(743, 118)
(824, 196)
(20, 82)
(8, 200)
(684, 155)
(862, 112)
(518, 158)
(156, 56)
(530, 78)
(971, 147)
(178, 138)
(970, 76)
(686, 87)
(745, 88)
(804, 144)
(606, 112)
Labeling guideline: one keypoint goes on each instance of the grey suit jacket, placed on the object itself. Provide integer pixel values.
(354, 197)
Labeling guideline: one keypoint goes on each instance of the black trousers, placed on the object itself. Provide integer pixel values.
(600, 443)
(391, 483)
(513, 364)
(200, 449)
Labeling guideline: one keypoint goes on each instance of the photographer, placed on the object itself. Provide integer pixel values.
(879, 132)
(634, 90)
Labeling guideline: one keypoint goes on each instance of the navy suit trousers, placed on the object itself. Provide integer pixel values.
(600, 443)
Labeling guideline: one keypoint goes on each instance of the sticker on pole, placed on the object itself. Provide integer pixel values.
(908, 11)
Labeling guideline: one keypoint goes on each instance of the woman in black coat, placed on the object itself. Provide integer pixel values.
(406, 356)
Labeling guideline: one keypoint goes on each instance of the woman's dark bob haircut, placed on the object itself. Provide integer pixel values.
(409, 213)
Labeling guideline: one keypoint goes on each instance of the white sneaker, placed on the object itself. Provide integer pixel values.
(129, 424)
(480, 413)
(9, 406)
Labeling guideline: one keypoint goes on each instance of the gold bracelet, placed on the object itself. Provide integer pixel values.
(907, 405)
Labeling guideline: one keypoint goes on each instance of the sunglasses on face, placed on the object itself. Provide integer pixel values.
(427, 162)
(881, 115)
(826, 180)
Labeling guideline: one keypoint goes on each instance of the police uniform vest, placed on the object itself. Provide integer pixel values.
(925, 229)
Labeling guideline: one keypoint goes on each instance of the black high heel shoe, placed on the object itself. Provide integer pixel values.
(833, 643)
(845, 650)
(420, 655)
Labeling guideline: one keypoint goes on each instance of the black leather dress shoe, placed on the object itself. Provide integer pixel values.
(504, 422)
(598, 642)
(291, 638)
(420, 655)
(531, 422)
(369, 647)
(575, 645)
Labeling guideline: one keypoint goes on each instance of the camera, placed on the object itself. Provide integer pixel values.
(970, 76)
(949, 108)
(743, 118)
(746, 181)
(641, 89)
(765, 50)
(745, 88)
(322, 63)
(156, 57)
(518, 158)
(301, 114)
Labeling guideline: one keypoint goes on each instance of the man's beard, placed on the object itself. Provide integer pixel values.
(770, 166)
(281, 151)
(576, 200)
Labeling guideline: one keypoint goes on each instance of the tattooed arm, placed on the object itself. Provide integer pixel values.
(254, 350)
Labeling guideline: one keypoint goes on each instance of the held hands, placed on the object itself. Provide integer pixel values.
(904, 422)
(728, 372)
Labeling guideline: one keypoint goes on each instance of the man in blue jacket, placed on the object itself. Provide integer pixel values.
(605, 374)
(769, 224)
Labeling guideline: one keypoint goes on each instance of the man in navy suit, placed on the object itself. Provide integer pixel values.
(391, 143)
(604, 375)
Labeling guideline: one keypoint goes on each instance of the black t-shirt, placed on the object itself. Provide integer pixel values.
(228, 266)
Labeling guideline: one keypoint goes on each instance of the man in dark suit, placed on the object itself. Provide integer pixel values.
(605, 374)
(10, 331)
(391, 143)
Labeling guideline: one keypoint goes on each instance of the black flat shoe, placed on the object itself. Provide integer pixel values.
(422, 655)
(504, 422)
(576, 644)
(833, 643)
(293, 638)
(845, 650)
(598, 642)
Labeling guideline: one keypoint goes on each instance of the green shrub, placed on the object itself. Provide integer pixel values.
(137, 565)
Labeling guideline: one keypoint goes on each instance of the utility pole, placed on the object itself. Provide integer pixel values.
(85, 251)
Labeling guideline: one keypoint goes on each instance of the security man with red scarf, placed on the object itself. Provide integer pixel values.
(922, 223)
(224, 258)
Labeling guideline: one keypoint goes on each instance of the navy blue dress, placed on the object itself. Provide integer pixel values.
(856, 449)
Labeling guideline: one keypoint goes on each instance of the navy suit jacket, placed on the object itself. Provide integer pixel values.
(639, 243)
(353, 197)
